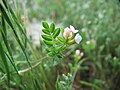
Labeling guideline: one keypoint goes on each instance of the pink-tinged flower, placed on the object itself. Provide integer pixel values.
(69, 31)
(77, 38)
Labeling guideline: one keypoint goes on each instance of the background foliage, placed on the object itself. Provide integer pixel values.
(98, 23)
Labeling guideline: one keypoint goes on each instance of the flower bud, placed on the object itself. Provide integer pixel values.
(77, 52)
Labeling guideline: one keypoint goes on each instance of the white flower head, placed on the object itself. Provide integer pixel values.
(78, 38)
(69, 31)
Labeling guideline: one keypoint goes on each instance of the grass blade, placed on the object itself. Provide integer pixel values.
(9, 21)
(4, 59)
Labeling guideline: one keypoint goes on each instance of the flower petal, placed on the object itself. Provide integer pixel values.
(77, 38)
(73, 29)
(66, 29)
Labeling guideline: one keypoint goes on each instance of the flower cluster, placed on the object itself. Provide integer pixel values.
(69, 32)
(78, 53)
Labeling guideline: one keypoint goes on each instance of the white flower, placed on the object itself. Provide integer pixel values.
(77, 38)
(69, 31)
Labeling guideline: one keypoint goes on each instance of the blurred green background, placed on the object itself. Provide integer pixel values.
(98, 24)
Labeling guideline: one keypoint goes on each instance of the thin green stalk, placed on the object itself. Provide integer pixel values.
(15, 68)
(4, 35)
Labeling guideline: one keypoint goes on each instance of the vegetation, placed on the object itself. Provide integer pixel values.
(60, 62)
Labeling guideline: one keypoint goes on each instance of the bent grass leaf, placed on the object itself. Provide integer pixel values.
(45, 25)
(90, 85)
(56, 33)
(49, 38)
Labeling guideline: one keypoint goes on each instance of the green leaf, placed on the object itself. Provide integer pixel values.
(56, 33)
(46, 31)
(62, 30)
(45, 24)
(59, 56)
(62, 47)
(52, 27)
(50, 43)
(48, 49)
(61, 39)
(51, 54)
(57, 42)
(49, 38)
